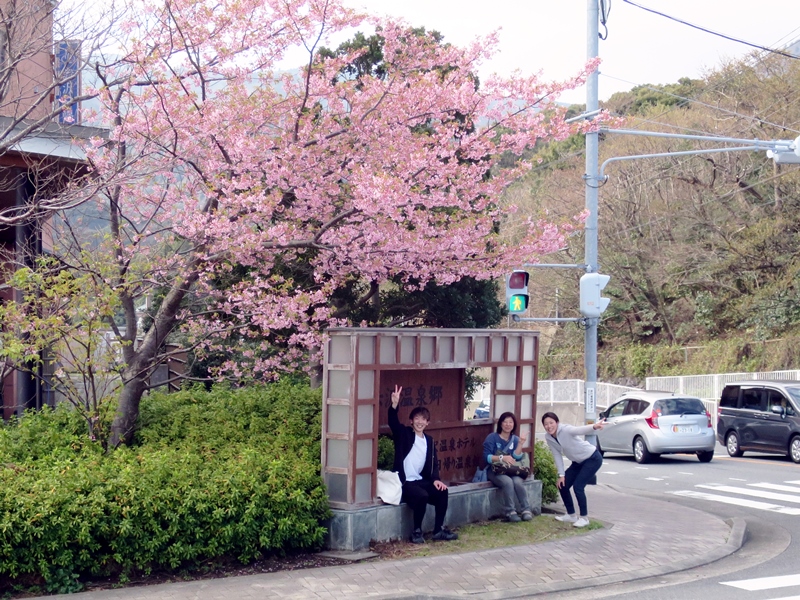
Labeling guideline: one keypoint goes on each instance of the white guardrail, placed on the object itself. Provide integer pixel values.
(706, 387)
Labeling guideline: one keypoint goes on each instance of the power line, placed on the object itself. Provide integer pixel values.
(722, 35)
(711, 106)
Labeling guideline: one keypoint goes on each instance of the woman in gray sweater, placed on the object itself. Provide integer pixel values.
(564, 440)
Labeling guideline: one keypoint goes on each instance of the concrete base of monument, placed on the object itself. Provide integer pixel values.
(353, 530)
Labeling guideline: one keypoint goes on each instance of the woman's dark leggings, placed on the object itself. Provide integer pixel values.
(577, 476)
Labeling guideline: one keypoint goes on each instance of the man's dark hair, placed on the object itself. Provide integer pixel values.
(551, 415)
(420, 410)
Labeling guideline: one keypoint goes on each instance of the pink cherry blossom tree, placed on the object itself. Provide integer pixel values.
(222, 167)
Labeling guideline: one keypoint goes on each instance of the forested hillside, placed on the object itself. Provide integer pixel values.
(702, 250)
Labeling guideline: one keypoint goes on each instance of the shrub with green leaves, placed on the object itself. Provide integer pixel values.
(544, 469)
(220, 473)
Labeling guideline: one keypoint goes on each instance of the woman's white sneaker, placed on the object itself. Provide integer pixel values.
(582, 522)
(567, 518)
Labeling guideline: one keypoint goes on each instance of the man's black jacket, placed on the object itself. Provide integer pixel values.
(403, 442)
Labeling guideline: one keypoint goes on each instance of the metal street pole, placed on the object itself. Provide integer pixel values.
(592, 182)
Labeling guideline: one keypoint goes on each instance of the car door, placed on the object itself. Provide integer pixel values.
(751, 420)
(628, 425)
(774, 429)
(609, 436)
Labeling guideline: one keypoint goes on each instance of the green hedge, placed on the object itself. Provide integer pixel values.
(544, 469)
(220, 473)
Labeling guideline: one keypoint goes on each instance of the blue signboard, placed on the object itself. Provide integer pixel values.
(68, 76)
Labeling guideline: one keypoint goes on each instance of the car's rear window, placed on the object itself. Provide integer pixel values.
(679, 406)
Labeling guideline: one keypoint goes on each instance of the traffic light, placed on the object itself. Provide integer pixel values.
(591, 303)
(517, 292)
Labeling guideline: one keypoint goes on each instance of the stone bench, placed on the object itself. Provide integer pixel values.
(353, 530)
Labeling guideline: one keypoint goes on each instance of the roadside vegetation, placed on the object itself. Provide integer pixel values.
(225, 481)
(231, 473)
(701, 250)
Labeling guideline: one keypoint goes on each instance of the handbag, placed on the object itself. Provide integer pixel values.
(515, 469)
(519, 468)
(480, 476)
(390, 490)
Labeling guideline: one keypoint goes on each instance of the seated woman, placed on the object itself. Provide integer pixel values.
(503, 446)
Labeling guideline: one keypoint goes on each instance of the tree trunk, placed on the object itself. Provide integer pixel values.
(127, 412)
(146, 356)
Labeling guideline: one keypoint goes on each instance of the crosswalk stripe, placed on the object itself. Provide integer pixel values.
(764, 583)
(775, 486)
(746, 492)
(738, 502)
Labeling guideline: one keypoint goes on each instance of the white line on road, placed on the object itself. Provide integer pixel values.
(654, 478)
(683, 473)
(746, 492)
(764, 583)
(775, 486)
(739, 502)
(736, 479)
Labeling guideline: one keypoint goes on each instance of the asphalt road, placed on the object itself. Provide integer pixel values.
(764, 490)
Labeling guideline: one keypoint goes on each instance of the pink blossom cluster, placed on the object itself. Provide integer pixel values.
(231, 164)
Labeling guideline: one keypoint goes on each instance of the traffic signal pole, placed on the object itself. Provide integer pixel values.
(592, 182)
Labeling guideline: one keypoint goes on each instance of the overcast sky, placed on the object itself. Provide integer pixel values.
(641, 47)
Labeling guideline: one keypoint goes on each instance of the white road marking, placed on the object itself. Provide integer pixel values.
(764, 583)
(738, 502)
(787, 598)
(757, 493)
(682, 473)
(654, 479)
(736, 479)
(645, 468)
(775, 486)
(796, 482)
(610, 473)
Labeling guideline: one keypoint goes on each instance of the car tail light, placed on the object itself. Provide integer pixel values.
(652, 420)
(708, 415)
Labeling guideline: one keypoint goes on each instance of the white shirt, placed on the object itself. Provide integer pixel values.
(415, 460)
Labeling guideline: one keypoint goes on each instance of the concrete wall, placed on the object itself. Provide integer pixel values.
(355, 529)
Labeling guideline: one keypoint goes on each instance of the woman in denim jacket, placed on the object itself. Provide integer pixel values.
(504, 446)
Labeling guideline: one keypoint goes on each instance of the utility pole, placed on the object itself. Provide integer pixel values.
(590, 231)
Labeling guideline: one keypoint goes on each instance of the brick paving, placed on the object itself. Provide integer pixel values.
(642, 538)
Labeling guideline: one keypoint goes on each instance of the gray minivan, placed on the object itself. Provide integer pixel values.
(761, 416)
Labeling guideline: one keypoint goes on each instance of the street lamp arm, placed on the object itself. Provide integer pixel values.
(780, 145)
(603, 177)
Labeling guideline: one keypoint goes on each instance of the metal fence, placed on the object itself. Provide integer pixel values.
(709, 387)
(706, 387)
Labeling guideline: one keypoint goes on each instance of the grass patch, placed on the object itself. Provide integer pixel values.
(485, 535)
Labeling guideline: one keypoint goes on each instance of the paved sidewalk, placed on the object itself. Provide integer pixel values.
(642, 538)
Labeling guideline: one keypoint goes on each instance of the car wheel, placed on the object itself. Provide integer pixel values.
(640, 451)
(794, 449)
(599, 449)
(732, 444)
(707, 456)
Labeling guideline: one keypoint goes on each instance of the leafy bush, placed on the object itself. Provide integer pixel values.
(544, 469)
(219, 473)
(385, 453)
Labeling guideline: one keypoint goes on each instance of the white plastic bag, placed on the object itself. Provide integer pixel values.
(390, 490)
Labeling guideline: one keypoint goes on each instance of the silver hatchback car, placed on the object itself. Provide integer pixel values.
(648, 423)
